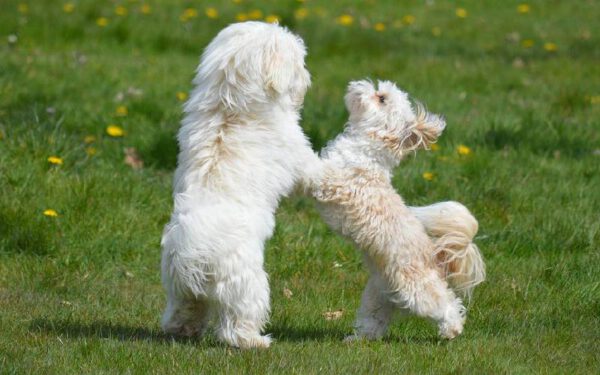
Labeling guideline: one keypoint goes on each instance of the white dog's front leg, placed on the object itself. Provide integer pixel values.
(311, 169)
(375, 312)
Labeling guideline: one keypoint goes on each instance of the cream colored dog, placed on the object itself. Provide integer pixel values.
(412, 253)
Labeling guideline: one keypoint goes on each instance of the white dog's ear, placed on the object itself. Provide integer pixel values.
(284, 67)
(279, 74)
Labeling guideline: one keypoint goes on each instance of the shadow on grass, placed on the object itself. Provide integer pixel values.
(108, 330)
(281, 333)
(286, 333)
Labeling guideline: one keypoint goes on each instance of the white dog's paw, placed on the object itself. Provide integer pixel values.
(245, 340)
(261, 342)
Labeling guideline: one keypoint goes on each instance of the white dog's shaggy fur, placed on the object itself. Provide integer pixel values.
(409, 270)
(241, 149)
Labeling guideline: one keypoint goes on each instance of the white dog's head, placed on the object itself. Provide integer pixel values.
(386, 115)
(251, 63)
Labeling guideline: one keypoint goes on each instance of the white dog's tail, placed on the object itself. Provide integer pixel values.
(453, 228)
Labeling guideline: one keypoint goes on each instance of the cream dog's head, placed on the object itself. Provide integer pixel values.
(386, 115)
(251, 64)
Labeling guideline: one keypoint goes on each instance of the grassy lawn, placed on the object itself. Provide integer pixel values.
(80, 286)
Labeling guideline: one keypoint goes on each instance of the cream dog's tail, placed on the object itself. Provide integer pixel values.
(453, 227)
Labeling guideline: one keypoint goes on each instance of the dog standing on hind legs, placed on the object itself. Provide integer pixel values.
(410, 270)
(241, 150)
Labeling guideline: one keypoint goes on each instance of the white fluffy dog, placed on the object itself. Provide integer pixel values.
(241, 149)
(409, 270)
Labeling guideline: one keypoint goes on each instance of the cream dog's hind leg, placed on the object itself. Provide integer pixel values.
(375, 312)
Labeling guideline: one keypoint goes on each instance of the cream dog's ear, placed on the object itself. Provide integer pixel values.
(425, 129)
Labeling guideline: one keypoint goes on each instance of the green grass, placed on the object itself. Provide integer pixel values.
(81, 293)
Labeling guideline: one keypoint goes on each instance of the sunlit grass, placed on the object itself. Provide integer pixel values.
(80, 223)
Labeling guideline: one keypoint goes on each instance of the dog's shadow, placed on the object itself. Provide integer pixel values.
(285, 333)
(108, 330)
(280, 332)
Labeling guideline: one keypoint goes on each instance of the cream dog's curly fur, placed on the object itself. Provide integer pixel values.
(409, 269)
(241, 149)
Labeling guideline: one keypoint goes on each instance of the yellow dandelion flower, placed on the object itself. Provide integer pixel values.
(91, 151)
(181, 96)
(55, 160)
(145, 9)
(89, 139)
(120, 11)
(121, 111)
(272, 18)
(594, 99)
(436, 31)
(461, 13)
(102, 21)
(434, 147)
(523, 8)
(188, 14)
(241, 17)
(301, 13)
(409, 19)
(114, 130)
(463, 150)
(68, 7)
(50, 212)
(23, 8)
(255, 14)
(345, 20)
(379, 26)
(428, 176)
(550, 47)
(211, 12)
(237, 1)
(527, 43)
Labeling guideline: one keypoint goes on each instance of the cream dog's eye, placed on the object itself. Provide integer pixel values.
(381, 99)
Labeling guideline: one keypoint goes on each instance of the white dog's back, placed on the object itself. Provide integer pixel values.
(241, 149)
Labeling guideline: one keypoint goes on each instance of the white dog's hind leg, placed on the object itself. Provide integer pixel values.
(185, 317)
(243, 299)
(375, 312)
